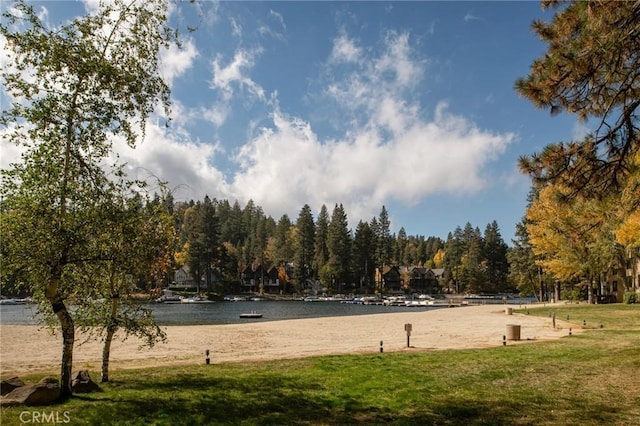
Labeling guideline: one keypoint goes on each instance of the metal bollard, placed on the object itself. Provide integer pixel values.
(381, 348)
(207, 360)
(504, 340)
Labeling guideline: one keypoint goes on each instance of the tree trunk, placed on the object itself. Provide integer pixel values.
(111, 330)
(68, 339)
(106, 351)
(52, 293)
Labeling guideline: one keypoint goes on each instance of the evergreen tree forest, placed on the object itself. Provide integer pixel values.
(219, 240)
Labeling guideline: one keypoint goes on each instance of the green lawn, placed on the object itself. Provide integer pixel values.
(587, 379)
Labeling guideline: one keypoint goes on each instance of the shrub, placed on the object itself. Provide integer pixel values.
(630, 297)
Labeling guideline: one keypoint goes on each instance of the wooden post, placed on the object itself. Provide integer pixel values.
(407, 328)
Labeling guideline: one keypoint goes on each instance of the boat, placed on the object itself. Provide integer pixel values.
(12, 302)
(169, 297)
(231, 298)
(195, 299)
(252, 314)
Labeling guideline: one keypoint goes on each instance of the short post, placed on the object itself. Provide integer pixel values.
(569, 332)
(504, 340)
(584, 322)
(407, 328)
(554, 320)
(207, 360)
(381, 348)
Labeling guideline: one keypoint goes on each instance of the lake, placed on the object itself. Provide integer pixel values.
(229, 312)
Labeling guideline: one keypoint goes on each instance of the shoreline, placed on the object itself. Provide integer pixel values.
(30, 349)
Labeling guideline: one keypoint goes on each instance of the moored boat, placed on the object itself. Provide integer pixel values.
(169, 297)
(195, 299)
(252, 314)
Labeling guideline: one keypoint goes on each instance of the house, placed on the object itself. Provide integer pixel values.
(271, 282)
(389, 279)
(633, 268)
(183, 278)
(619, 281)
(425, 280)
(252, 279)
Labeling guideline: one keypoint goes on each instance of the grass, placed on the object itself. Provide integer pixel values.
(586, 379)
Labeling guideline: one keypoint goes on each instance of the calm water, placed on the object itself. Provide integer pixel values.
(229, 312)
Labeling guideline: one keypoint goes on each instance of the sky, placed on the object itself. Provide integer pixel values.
(410, 105)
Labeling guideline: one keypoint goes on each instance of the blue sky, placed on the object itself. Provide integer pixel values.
(404, 104)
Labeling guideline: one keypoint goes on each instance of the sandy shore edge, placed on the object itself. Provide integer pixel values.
(26, 349)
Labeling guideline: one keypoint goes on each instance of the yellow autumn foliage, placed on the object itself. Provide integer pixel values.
(572, 238)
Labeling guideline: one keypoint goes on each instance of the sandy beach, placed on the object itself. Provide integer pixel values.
(30, 349)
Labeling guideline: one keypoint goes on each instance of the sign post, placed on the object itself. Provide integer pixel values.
(407, 328)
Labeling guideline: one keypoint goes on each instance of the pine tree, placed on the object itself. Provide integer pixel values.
(304, 247)
(523, 271)
(400, 246)
(384, 242)
(494, 253)
(363, 265)
(284, 249)
(203, 242)
(339, 245)
(321, 252)
(590, 69)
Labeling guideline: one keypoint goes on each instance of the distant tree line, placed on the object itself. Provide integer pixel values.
(219, 239)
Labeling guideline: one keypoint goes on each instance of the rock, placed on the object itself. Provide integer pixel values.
(48, 380)
(38, 394)
(10, 384)
(81, 382)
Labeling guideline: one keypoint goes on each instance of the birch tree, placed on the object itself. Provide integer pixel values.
(73, 89)
(136, 250)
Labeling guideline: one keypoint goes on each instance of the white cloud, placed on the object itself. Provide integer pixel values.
(9, 152)
(234, 73)
(236, 28)
(186, 165)
(397, 60)
(287, 165)
(344, 50)
(266, 30)
(278, 17)
(470, 17)
(216, 114)
(391, 150)
(175, 61)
